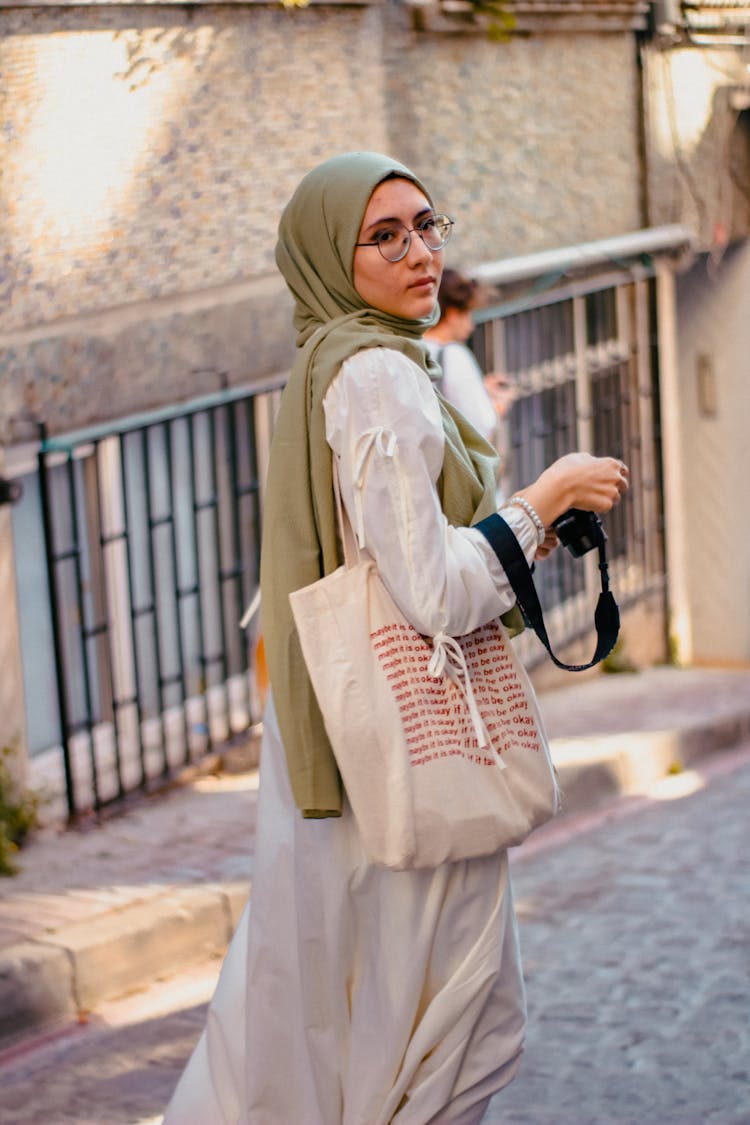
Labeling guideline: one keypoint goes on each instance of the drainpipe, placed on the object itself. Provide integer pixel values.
(642, 131)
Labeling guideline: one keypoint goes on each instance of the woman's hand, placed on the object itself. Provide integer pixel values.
(501, 391)
(547, 547)
(595, 483)
(577, 480)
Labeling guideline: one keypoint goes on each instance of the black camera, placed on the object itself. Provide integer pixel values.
(579, 531)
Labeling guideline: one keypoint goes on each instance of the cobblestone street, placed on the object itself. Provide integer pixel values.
(636, 941)
(635, 926)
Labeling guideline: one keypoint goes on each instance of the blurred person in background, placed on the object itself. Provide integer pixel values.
(482, 399)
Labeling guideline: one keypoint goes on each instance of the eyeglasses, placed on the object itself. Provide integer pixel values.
(393, 241)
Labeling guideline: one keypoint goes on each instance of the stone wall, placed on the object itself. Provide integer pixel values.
(149, 151)
(531, 143)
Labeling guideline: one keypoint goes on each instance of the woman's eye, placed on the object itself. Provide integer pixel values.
(389, 234)
(428, 224)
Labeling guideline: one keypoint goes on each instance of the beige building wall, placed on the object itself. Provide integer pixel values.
(532, 143)
(148, 151)
(714, 459)
(697, 129)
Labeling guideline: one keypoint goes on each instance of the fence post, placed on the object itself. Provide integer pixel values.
(54, 603)
(675, 494)
(584, 419)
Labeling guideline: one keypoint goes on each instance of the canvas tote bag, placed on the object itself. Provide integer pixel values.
(439, 741)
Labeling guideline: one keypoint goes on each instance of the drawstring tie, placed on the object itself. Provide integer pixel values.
(448, 660)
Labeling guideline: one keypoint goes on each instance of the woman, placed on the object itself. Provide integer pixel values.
(352, 993)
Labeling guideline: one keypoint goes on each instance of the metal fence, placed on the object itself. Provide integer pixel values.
(583, 362)
(152, 534)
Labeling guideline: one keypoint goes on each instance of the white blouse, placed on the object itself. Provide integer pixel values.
(383, 423)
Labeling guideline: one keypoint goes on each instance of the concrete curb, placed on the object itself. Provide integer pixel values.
(44, 983)
(603, 767)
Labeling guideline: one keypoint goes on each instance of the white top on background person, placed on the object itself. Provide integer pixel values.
(463, 385)
(482, 399)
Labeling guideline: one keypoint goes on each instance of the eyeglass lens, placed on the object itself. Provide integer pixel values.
(394, 242)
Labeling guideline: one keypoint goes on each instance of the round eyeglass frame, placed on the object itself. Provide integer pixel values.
(444, 220)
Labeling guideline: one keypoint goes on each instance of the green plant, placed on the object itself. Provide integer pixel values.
(673, 651)
(500, 17)
(618, 660)
(19, 813)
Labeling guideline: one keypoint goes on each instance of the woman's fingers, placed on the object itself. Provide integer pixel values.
(547, 547)
(603, 483)
(622, 483)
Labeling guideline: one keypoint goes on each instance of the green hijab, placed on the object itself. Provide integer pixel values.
(315, 254)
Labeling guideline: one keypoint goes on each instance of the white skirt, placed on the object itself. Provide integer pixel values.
(352, 994)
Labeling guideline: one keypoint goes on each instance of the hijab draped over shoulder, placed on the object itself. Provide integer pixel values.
(315, 253)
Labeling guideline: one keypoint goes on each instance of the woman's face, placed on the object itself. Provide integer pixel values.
(407, 289)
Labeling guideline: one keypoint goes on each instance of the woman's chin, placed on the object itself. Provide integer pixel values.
(422, 308)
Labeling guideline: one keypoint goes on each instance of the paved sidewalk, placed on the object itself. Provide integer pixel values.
(99, 912)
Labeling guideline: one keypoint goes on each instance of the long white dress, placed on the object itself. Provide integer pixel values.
(352, 994)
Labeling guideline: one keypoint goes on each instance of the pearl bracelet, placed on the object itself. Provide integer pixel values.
(521, 502)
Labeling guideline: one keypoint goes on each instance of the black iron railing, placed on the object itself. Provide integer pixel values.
(153, 537)
(582, 361)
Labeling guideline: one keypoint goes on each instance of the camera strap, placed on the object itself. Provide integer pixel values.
(606, 616)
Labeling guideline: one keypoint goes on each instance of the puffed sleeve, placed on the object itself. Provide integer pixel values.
(383, 424)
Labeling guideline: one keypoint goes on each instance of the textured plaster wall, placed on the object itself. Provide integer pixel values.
(714, 407)
(147, 155)
(148, 151)
(532, 143)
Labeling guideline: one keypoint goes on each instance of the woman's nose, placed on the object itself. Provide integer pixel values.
(418, 252)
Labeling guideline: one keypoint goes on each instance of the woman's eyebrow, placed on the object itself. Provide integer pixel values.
(398, 219)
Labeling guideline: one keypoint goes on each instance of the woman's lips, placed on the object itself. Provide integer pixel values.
(423, 283)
